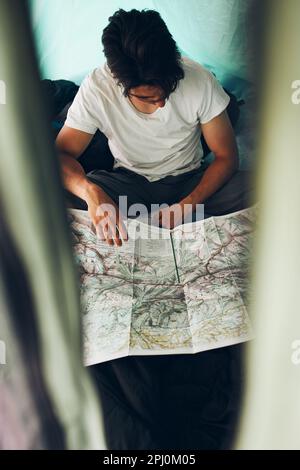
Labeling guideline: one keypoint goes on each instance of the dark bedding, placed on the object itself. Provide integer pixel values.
(184, 401)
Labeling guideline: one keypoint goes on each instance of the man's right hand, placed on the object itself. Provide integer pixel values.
(104, 213)
(105, 216)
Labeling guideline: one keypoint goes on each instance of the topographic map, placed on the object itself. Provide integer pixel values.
(165, 291)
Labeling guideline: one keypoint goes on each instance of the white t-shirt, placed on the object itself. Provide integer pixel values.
(166, 142)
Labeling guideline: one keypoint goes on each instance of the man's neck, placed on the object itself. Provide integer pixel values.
(145, 108)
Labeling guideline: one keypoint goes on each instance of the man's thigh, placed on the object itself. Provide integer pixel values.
(121, 182)
(139, 190)
(236, 194)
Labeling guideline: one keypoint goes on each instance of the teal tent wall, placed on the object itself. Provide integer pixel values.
(214, 32)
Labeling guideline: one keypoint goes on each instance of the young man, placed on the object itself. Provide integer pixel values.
(152, 105)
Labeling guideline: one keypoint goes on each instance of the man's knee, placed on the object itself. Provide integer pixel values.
(236, 194)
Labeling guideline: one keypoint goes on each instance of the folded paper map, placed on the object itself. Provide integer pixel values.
(164, 291)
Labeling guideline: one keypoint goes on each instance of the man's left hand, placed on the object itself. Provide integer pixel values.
(170, 216)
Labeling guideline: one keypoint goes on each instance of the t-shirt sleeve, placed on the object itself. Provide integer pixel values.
(214, 99)
(81, 114)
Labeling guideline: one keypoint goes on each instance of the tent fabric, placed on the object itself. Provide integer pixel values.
(214, 32)
(21, 426)
(27, 416)
(33, 209)
(272, 406)
(31, 192)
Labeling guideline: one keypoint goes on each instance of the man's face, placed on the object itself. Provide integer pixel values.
(146, 98)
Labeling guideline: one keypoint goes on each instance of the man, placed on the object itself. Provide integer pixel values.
(152, 105)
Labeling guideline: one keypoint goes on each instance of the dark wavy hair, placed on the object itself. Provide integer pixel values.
(140, 50)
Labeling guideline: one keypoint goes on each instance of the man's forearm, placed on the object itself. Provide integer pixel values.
(217, 173)
(74, 177)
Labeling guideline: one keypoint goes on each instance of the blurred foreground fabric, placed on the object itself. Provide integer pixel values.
(34, 231)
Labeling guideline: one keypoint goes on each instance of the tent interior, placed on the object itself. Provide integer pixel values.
(214, 399)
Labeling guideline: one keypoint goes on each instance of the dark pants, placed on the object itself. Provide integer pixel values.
(234, 195)
(184, 401)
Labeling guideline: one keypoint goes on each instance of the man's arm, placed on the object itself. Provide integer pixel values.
(219, 136)
(70, 144)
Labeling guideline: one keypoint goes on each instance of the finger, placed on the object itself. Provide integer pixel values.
(100, 232)
(114, 232)
(164, 220)
(104, 229)
(160, 218)
(121, 228)
(107, 233)
(95, 222)
(171, 219)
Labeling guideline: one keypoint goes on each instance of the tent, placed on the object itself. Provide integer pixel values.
(59, 406)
